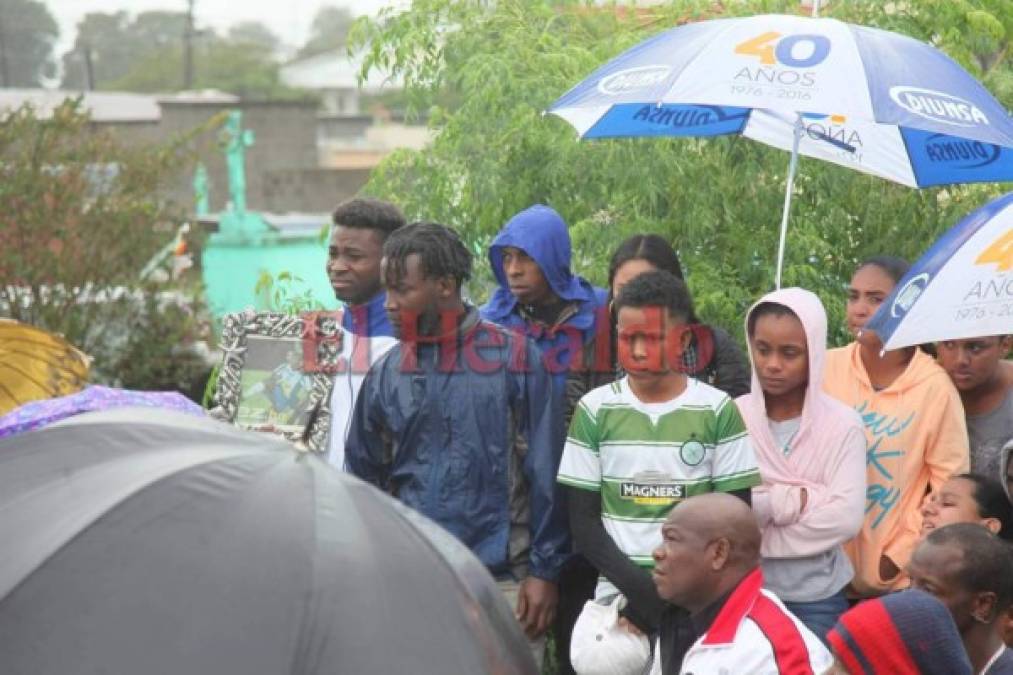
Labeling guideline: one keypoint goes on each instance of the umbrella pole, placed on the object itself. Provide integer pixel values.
(792, 166)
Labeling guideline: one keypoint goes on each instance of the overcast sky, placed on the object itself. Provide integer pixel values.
(289, 19)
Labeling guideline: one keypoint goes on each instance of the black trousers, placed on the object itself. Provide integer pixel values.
(576, 586)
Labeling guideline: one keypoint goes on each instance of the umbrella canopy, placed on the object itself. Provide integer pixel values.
(38, 414)
(961, 288)
(35, 365)
(864, 98)
(149, 541)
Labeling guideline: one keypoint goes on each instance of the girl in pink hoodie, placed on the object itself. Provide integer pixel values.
(811, 452)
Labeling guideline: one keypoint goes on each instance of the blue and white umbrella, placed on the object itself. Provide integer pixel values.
(868, 99)
(961, 288)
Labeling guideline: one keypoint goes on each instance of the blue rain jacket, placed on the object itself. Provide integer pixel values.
(541, 233)
(438, 431)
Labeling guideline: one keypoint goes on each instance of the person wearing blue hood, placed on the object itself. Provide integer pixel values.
(540, 296)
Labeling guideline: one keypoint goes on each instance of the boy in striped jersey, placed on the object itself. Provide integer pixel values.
(639, 446)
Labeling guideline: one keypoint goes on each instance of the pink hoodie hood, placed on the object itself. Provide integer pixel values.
(826, 456)
(819, 409)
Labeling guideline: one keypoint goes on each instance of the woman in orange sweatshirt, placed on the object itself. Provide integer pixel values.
(914, 427)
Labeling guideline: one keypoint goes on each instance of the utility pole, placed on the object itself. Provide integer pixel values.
(89, 68)
(5, 73)
(188, 36)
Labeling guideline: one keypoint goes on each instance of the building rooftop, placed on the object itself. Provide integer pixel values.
(103, 106)
(108, 106)
(292, 225)
(334, 70)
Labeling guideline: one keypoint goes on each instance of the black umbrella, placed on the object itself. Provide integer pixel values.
(144, 541)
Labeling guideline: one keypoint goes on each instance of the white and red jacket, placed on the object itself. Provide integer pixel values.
(754, 633)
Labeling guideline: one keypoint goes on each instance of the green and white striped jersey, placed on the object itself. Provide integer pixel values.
(644, 458)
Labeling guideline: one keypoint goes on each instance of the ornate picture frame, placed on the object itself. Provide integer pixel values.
(277, 371)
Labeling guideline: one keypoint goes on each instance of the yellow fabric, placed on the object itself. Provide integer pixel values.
(36, 365)
(917, 439)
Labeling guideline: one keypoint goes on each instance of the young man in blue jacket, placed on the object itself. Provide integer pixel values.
(361, 226)
(437, 421)
(540, 296)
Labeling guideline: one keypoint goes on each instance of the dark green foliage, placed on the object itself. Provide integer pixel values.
(80, 217)
(328, 31)
(484, 72)
(144, 53)
(28, 33)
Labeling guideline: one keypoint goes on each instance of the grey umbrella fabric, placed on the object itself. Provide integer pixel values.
(146, 541)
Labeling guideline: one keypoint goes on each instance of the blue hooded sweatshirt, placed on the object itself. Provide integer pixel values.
(542, 234)
(368, 319)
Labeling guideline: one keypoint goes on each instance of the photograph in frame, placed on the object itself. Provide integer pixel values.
(277, 371)
(274, 389)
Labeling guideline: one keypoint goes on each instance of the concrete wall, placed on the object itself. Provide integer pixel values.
(311, 190)
(284, 138)
(282, 171)
(343, 128)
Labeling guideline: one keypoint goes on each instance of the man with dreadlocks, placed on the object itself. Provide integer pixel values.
(438, 417)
